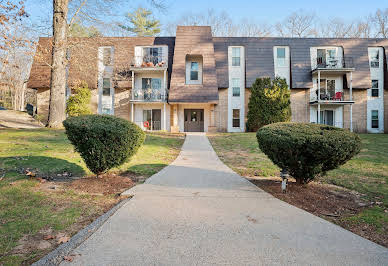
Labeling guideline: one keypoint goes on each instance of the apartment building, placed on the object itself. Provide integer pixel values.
(197, 82)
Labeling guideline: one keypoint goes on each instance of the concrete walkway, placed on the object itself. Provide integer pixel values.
(197, 211)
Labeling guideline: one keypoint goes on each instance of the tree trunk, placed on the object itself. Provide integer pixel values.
(58, 71)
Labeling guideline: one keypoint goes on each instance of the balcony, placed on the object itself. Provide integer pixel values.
(330, 97)
(149, 95)
(150, 62)
(332, 64)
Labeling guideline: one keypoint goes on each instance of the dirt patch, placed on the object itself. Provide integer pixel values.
(96, 196)
(104, 185)
(329, 202)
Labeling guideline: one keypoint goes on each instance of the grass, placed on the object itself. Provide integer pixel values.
(366, 173)
(26, 210)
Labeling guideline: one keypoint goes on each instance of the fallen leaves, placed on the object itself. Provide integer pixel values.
(68, 258)
(48, 237)
(63, 239)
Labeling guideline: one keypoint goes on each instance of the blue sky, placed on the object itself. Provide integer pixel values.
(268, 11)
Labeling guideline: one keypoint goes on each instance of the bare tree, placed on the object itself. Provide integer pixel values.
(222, 25)
(65, 14)
(299, 24)
(251, 29)
(380, 22)
(12, 44)
(57, 105)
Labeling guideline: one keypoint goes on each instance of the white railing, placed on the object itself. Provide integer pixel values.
(152, 126)
(149, 95)
(332, 62)
(329, 96)
(150, 61)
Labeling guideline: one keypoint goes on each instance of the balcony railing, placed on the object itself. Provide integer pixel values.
(149, 95)
(329, 96)
(153, 125)
(332, 62)
(150, 61)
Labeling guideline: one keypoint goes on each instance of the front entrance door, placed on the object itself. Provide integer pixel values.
(194, 120)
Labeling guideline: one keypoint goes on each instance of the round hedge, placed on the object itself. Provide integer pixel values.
(307, 150)
(103, 141)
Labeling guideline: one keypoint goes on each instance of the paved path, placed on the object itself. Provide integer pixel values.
(197, 211)
(16, 119)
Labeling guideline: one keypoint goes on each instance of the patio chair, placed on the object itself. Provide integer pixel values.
(338, 96)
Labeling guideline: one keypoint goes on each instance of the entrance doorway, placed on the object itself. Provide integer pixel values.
(327, 117)
(194, 121)
(153, 117)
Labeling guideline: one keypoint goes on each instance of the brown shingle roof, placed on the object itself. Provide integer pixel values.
(194, 40)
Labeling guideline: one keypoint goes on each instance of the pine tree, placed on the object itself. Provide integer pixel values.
(269, 103)
(141, 23)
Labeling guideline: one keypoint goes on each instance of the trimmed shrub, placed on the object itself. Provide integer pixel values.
(103, 141)
(307, 150)
(269, 103)
(79, 102)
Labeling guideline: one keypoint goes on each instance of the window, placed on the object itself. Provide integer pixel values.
(236, 87)
(194, 71)
(281, 56)
(375, 88)
(375, 119)
(330, 88)
(331, 54)
(236, 117)
(106, 87)
(152, 55)
(374, 58)
(235, 56)
(107, 57)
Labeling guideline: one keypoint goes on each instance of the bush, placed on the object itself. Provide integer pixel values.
(79, 102)
(269, 103)
(103, 141)
(307, 150)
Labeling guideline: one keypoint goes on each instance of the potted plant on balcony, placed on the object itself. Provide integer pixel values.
(150, 64)
(144, 64)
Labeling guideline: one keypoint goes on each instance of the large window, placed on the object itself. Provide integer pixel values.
(375, 88)
(281, 56)
(194, 71)
(236, 87)
(106, 87)
(236, 56)
(236, 117)
(151, 88)
(107, 56)
(374, 58)
(375, 118)
(152, 55)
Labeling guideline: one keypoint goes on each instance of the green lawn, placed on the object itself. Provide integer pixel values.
(26, 210)
(366, 173)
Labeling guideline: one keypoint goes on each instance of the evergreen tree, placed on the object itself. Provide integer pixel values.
(79, 103)
(77, 29)
(141, 23)
(269, 103)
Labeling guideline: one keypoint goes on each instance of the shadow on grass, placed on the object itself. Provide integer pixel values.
(41, 165)
(146, 170)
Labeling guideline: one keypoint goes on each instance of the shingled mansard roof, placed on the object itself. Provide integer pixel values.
(197, 40)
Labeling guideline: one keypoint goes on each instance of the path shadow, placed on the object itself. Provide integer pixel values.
(42, 166)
